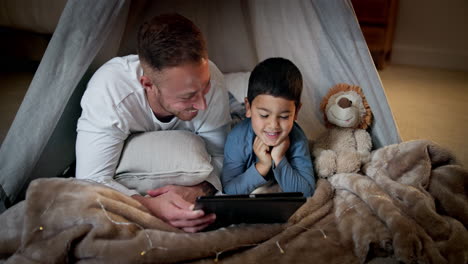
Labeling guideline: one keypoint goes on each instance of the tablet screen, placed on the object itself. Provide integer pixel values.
(251, 208)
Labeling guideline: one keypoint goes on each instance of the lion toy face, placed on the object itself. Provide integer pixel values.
(345, 106)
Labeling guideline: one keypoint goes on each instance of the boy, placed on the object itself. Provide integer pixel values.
(269, 145)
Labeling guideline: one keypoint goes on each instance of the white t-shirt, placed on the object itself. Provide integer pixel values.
(115, 106)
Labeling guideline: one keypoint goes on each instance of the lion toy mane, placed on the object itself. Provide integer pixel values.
(345, 146)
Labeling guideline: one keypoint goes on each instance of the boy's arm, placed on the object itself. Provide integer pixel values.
(295, 173)
(238, 176)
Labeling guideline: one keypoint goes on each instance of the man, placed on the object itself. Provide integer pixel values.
(169, 85)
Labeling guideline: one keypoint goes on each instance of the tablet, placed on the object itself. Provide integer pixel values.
(251, 208)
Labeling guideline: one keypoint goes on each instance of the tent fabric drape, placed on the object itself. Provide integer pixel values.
(83, 28)
(322, 37)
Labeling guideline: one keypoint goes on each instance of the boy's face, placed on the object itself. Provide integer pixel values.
(272, 118)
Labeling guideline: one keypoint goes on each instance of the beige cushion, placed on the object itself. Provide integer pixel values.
(155, 159)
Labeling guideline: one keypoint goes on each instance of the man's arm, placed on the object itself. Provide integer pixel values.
(188, 193)
(169, 204)
(174, 204)
(97, 156)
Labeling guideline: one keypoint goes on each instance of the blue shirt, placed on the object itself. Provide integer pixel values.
(294, 173)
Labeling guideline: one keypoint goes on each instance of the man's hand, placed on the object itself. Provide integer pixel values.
(262, 151)
(174, 205)
(188, 193)
(277, 153)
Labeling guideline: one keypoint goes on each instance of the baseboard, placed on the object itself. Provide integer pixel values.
(428, 57)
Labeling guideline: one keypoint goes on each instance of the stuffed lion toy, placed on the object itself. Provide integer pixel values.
(346, 144)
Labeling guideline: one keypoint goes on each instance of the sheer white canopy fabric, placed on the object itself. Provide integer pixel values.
(40, 142)
(322, 37)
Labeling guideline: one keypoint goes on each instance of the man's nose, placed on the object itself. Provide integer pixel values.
(200, 103)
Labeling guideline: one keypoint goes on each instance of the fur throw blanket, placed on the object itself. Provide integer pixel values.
(411, 206)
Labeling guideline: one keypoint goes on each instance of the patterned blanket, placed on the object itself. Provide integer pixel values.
(410, 204)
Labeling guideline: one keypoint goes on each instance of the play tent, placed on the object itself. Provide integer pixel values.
(322, 37)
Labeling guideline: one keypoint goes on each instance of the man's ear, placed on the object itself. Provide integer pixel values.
(146, 83)
(248, 110)
(296, 114)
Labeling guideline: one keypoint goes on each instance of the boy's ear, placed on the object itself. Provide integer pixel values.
(296, 114)
(248, 110)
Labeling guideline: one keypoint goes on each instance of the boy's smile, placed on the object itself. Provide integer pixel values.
(272, 118)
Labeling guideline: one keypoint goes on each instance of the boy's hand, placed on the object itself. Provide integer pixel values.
(277, 153)
(262, 152)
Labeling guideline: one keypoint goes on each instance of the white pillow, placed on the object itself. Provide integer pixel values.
(155, 159)
(237, 84)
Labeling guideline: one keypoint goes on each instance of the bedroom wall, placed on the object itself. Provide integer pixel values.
(432, 33)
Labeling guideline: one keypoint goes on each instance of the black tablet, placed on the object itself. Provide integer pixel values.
(251, 208)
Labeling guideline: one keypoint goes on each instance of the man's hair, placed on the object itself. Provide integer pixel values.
(277, 77)
(170, 40)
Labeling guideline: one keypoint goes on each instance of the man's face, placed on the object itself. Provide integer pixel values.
(272, 118)
(179, 91)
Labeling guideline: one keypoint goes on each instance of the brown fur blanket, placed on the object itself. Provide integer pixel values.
(410, 205)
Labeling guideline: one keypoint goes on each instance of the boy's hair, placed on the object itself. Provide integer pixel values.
(277, 77)
(170, 40)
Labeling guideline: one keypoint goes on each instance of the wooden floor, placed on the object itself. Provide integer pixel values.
(426, 103)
